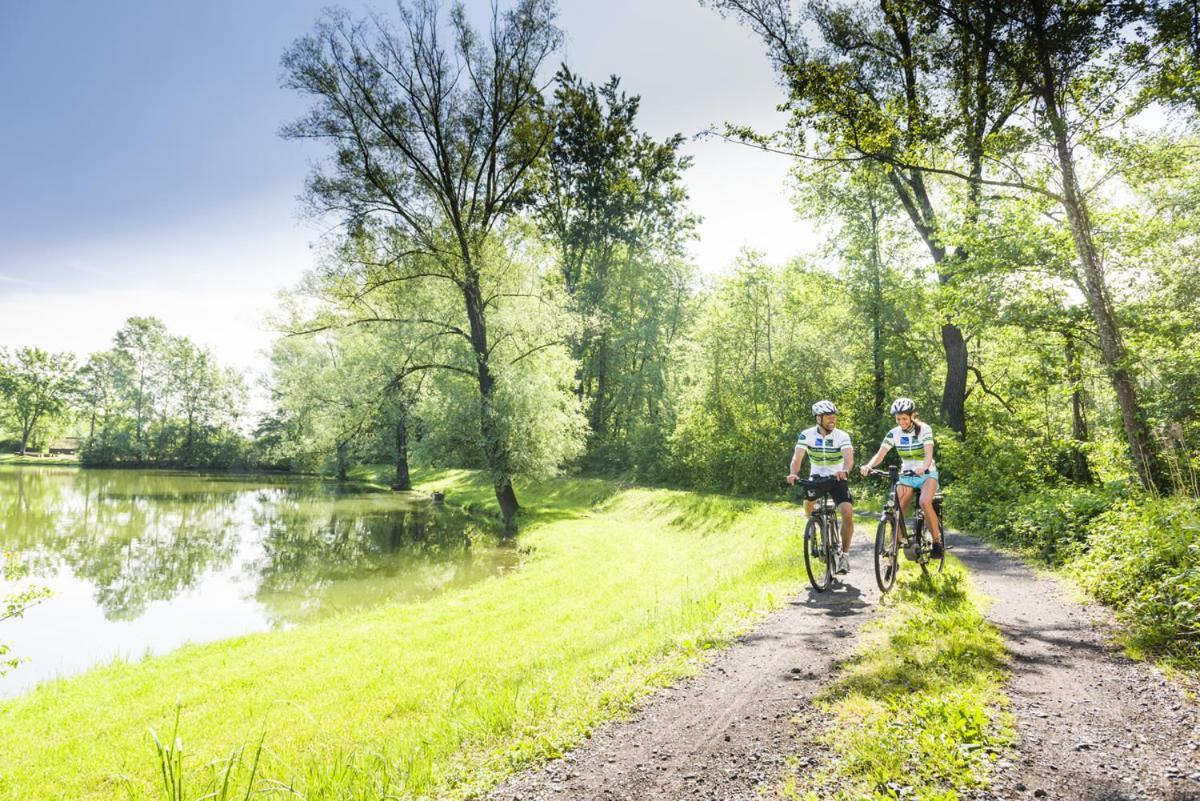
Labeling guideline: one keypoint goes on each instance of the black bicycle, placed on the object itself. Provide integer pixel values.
(892, 534)
(822, 534)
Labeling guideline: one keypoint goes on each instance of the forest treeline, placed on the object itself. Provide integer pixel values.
(1008, 200)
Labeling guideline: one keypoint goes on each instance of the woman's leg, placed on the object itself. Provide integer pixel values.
(928, 490)
(904, 493)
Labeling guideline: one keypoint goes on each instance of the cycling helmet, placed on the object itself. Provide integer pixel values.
(823, 407)
(903, 406)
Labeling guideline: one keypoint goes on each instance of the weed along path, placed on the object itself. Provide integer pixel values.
(1091, 723)
(726, 732)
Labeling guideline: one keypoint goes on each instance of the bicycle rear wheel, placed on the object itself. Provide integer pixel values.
(817, 558)
(887, 554)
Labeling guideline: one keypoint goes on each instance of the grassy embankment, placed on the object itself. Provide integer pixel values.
(620, 591)
(40, 461)
(918, 712)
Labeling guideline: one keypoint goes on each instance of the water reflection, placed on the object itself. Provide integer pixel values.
(144, 561)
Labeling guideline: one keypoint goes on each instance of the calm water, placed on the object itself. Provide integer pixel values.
(142, 562)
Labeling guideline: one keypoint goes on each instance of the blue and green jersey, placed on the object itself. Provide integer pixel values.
(825, 455)
(910, 445)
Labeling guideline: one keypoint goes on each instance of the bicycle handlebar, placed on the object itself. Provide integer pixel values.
(887, 473)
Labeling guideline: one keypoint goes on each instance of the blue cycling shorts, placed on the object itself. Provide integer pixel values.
(916, 481)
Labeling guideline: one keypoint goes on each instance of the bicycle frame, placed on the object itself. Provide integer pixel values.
(919, 547)
(824, 518)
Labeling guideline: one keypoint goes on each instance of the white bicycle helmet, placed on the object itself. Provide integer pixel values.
(903, 406)
(823, 407)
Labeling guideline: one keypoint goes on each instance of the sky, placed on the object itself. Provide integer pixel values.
(143, 172)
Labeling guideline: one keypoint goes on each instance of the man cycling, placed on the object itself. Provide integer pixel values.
(830, 454)
(913, 441)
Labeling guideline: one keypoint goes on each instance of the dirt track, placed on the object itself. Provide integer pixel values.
(1091, 723)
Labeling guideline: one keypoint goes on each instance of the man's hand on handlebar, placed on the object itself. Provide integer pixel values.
(864, 471)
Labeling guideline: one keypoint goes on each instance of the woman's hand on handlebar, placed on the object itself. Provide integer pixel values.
(792, 479)
(864, 471)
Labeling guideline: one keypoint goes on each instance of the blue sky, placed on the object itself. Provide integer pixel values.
(144, 174)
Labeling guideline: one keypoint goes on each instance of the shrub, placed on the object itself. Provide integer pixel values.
(1143, 558)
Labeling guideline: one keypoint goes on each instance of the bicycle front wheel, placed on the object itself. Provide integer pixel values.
(887, 554)
(817, 557)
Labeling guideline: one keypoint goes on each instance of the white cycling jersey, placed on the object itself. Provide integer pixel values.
(825, 457)
(910, 445)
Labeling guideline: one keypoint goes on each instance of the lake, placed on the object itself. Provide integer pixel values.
(141, 562)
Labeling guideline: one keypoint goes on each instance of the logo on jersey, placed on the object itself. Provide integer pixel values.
(904, 440)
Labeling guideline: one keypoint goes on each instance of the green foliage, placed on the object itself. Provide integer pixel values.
(768, 343)
(918, 711)
(1143, 558)
(36, 390)
(611, 207)
(160, 399)
(14, 603)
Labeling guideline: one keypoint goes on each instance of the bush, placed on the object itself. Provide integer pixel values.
(1143, 559)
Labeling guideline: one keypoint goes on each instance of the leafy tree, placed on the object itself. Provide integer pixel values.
(433, 148)
(884, 83)
(611, 205)
(768, 342)
(140, 348)
(1077, 60)
(159, 398)
(36, 386)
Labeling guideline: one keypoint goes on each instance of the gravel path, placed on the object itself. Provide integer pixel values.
(1091, 723)
(725, 731)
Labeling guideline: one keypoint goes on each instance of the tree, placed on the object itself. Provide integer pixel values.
(885, 84)
(610, 203)
(37, 386)
(433, 148)
(1077, 59)
(140, 350)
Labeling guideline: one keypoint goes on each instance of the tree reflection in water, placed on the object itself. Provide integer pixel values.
(306, 549)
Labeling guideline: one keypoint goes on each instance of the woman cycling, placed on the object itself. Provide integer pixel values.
(913, 441)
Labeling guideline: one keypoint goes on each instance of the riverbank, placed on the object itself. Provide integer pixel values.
(620, 590)
(39, 461)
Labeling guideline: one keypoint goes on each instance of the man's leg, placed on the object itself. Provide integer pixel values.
(928, 490)
(847, 511)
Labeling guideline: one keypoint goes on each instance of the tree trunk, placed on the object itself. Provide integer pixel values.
(879, 376)
(1112, 347)
(342, 474)
(954, 392)
(403, 479)
(492, 446)
(1079, 432)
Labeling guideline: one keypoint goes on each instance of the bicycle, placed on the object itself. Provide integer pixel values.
(893, 529)
(822, 534)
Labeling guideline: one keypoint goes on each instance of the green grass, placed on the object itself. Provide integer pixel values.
(18, 459)
(918, 712)
(442, 697)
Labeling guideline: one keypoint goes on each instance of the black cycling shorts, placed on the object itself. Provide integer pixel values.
(839, 490)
